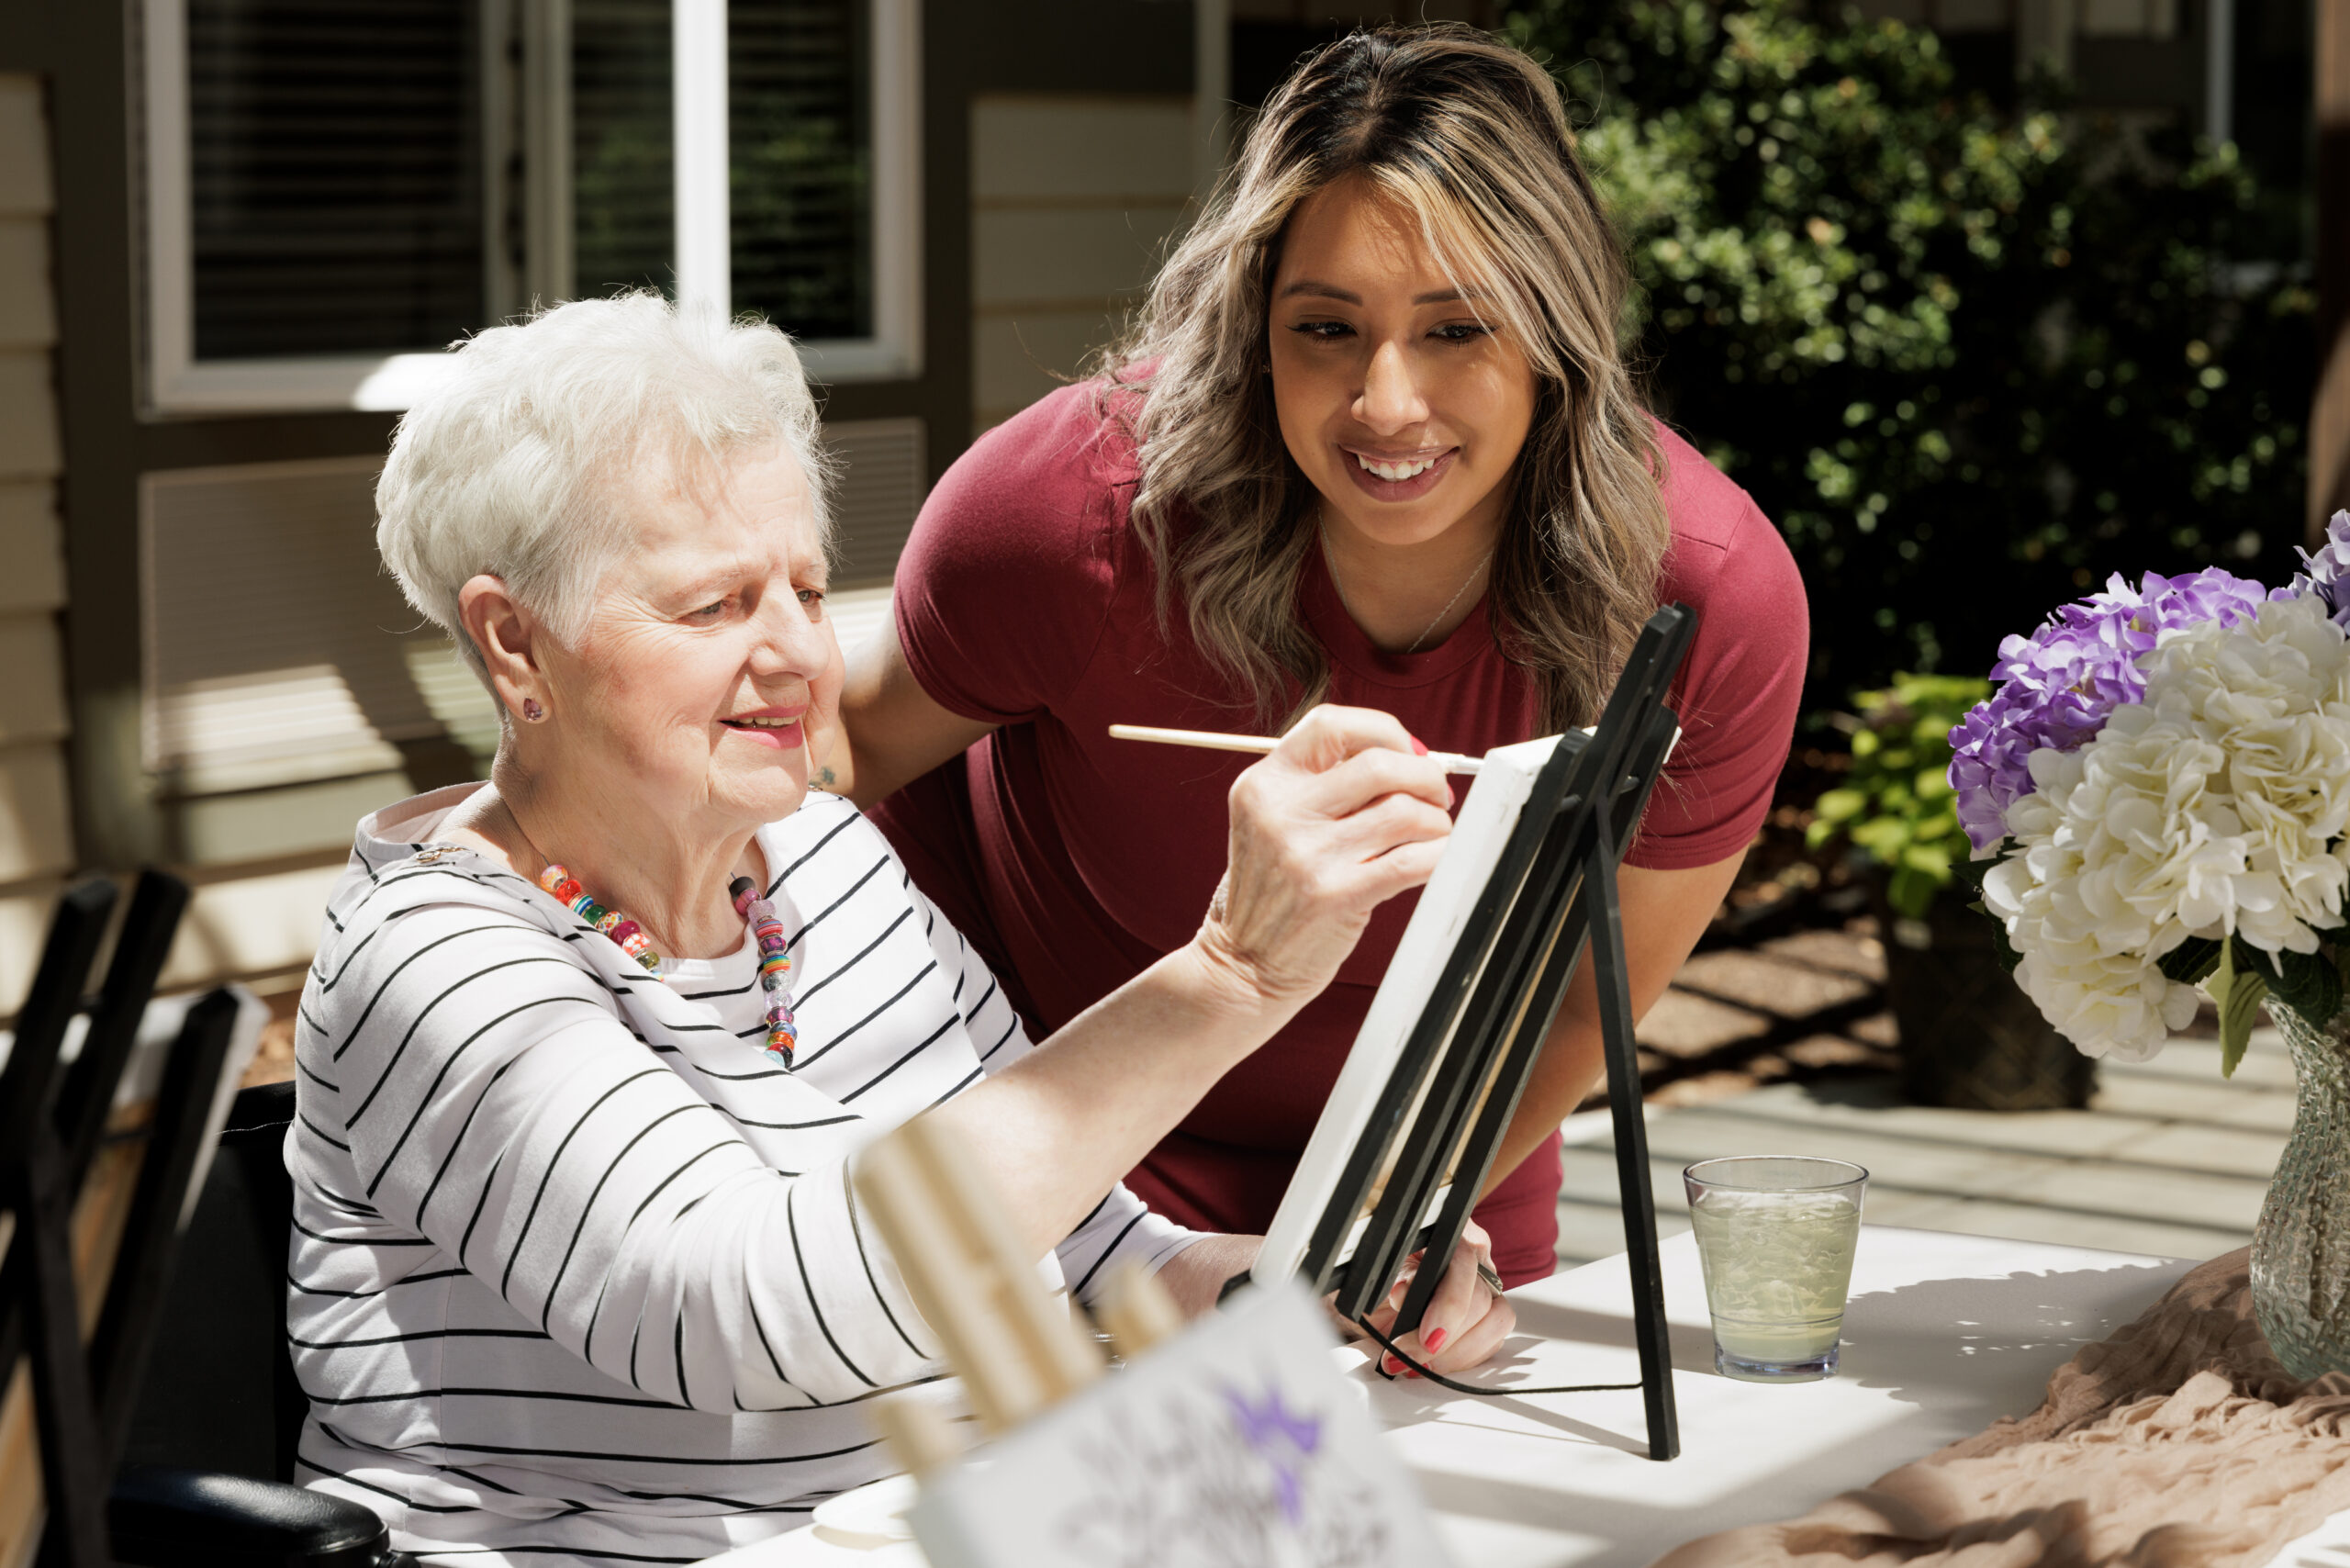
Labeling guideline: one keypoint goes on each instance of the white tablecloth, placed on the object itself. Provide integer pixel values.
(1944, 1335)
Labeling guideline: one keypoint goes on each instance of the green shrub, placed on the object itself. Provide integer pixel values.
(1898, 804)
(1970, 360)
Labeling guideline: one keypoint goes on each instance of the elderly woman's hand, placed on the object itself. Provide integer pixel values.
(1344, 814)
(1466, 1320)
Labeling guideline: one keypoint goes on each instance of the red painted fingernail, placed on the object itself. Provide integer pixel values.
(1419, 747)
(1413, 1373)
(1434, 1339)
(1390, 1365)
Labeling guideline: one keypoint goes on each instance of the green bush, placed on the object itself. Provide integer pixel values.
(1970, 360)
(1898, 804)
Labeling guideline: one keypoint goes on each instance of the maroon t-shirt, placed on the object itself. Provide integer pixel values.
(1074, 861)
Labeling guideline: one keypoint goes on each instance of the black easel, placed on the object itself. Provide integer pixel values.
(1460, 1076)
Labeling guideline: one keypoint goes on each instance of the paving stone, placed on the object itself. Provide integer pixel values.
(1770, 982)
(2024, 1222)
(1847, 951)
(1838, 1050)
(1590, 1178)
(1877, 1029)
(2265, 1064)
(1876, 1102)
(2188, 1197)
(2214, 1104)
(1588, 1232)
(1683, 1025)
(1728, 1084)
(2232, 1152)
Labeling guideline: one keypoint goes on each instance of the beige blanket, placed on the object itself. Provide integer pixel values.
(2177, 1443)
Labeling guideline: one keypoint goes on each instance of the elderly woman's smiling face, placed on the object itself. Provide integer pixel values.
(706, 686)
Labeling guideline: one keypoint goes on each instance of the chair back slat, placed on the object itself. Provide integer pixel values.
(27, 1087)
(139, 949)
(150, 1235)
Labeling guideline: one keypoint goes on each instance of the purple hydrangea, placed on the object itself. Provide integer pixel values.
(2327, 572)
(2057, 687)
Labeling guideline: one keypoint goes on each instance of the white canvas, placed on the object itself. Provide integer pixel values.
(1479, 833)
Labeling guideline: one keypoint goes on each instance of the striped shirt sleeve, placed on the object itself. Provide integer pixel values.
(1121, 1228)
(492, 1100)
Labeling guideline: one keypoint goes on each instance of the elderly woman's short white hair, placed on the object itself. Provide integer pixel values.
(524, 465)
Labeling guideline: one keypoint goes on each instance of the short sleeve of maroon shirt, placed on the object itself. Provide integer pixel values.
(1074, 861)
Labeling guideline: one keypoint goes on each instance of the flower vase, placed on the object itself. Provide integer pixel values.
(2300, 1249)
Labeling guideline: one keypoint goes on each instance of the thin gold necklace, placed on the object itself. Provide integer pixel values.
(1331, 566)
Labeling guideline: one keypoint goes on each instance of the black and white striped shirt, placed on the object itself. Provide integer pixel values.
(577, 1268)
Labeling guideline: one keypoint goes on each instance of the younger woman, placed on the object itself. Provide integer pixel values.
(1373, 444)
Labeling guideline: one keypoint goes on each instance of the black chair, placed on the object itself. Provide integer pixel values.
(52, 1116)
(208, 1457)
(224, 1398)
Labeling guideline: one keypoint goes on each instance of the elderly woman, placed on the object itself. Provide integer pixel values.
(578, 1269)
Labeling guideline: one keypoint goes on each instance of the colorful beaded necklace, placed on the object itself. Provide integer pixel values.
(775, 961)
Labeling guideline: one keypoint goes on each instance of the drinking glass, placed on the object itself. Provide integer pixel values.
(1775, 1235)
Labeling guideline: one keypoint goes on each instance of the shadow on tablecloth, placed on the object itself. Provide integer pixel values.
(1956, 1341)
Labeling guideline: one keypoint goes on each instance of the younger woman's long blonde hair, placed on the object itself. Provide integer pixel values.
(1470, 138)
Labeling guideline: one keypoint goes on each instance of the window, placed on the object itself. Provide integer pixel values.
(339, 188)
(313, 232)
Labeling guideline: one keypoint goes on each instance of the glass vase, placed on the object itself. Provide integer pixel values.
(2300, 1249)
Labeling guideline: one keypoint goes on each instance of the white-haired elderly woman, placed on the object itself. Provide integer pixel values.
(578, 1269)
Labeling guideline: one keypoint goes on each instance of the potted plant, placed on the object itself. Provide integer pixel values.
(1969, 1038)
(2159, 784)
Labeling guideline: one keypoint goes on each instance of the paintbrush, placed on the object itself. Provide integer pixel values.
(1211, 740)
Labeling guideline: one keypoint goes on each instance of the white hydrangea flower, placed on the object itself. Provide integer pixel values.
(2118, 1007)
(2218, 805)
(2273, 693)
(2091, 898)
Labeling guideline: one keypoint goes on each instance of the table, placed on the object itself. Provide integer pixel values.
(1944, 1334)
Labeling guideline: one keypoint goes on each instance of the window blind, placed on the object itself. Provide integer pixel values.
(335, 175)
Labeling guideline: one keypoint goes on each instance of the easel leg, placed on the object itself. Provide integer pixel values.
(1610, 974)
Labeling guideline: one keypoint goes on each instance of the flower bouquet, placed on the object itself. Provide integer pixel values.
(2161, 783)
(2162, 779)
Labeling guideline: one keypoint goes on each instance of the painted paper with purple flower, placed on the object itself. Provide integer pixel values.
(2056, 688)
(1283, 1439)
(2327, 572)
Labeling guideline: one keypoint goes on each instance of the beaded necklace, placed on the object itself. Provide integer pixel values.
(775, 961)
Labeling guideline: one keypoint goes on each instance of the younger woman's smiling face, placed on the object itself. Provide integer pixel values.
(1405, 402)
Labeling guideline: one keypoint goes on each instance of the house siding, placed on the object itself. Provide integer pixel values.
(1074, 200)
(36, 819)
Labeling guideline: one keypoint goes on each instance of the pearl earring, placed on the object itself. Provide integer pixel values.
(531, 711)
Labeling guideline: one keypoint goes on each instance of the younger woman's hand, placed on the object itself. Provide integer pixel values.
(1344, 814)
(1466, 1321)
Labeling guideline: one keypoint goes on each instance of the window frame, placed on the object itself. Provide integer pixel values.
(177, 383)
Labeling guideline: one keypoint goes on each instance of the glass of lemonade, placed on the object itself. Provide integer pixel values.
(1775, 1235)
